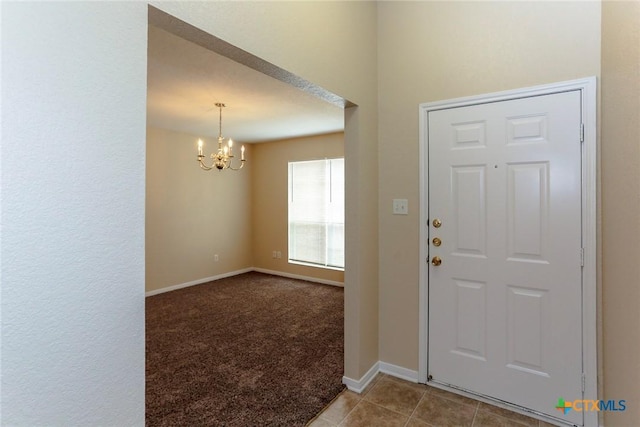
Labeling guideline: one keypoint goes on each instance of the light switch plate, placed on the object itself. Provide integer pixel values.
(400, 207)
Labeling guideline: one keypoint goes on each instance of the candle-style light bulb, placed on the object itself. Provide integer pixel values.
(200, 147)
(242, 150)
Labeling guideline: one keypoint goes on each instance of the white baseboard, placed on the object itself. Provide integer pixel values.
(235, 273)
(398, 372)
(197, 282)
(358, 386)
(297, 276)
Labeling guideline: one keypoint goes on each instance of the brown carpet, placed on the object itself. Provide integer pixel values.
(249, 350)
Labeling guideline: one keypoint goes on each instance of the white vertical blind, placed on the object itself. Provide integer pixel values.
(316, 212)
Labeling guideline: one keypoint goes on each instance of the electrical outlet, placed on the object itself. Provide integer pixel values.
(216, 258)
(400, 207)
(274, 254)
(279, 255)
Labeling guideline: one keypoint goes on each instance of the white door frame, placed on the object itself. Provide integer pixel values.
(587, 86)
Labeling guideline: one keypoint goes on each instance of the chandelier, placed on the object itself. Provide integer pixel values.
(223, 158)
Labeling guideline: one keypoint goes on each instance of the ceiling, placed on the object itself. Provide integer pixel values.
(185, 80)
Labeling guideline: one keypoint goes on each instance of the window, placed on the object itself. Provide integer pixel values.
(316, 213)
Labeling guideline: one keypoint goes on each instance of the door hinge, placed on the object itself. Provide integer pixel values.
(584, 380)
(581, 132)
(581, 257)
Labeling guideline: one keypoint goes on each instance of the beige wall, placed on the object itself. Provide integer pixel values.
(620, 162)
(341, 57)
(192, 215)
(269, 168)
(432, 51)
(428, 51)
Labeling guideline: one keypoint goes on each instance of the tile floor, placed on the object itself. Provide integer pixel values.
(389, 401)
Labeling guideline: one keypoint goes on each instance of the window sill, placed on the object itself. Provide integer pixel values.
(309, 264)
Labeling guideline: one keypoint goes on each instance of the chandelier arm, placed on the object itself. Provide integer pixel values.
(238, 168)
(202, 165)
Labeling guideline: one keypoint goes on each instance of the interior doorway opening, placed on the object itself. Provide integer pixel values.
(174, 26)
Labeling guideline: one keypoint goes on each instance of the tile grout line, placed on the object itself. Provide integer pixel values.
(477, 402)
(336, 424)
(360, 399)
(425, 393)
(475, 413)
(392, 410)
(416, 407)
(504, 418)
(385, 408)
(320, 417)
(319, 414)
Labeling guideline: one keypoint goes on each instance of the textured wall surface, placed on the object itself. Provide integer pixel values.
(72, 165)
(73, 176)
(621, 207)
(73, 92)
(431, 51)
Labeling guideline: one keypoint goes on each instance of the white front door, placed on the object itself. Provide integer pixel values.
(505, 305)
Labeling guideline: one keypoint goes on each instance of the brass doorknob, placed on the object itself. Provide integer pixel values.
(436, 241)
(437, 223)
(436, 261)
